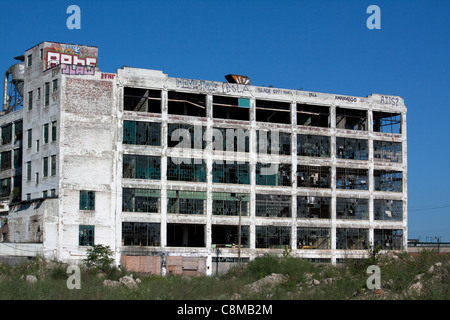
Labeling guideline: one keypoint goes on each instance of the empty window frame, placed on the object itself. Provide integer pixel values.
(142, 100)
(313, 116)
(141, 167)
(186, 169)
(313, 176)
(352, 238)
(231, 172)
(351, 208)
(17, 158)
(386, 180)
(227, 204)
(186, 202)
(54, 128)
(388, 239)
(273, 205)
(351, 119)
(313, 207)
(313, 238)
(141, 200)
(47, 94)
(387, 151)
(387, 122)
(349, 148)
(18, 129)
(30, 100)
(6, 134)
(352, 179)
(141, 234)
(5, 160)
(228, 236)
(384, 209)
(273, 237)
(186, 136)
(53, 165)
(313, 146)
(87, 200)
(273, 111)
(185, 235)
(231, 140)
(142, 133)
(273, 142)
(273, 174)
(5, 187)
(45, 166)
(186, 104)
(231, 108)
(86, 235)
(45, 133)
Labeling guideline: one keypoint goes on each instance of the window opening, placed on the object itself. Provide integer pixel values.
(273, 174)
(87, 200)
(388, 239)
(313, 146)
(227, 204)
(231, 108)
(273, 237)
(141, 200)
(273, 111)
(351, 119)
(273, 205)
(86, 235)
(387, 122)
(142, 100)
(141, 167)
(141, 234)
(388, 180)
(313, 176)
(313, 238)
(349, 148)
(313, 207)
(352, 238)
(186, 169)
(185, 235)
(187, 104)
(387, 151)
(353, 179)
(388, 209)
(313, 116)
(142, 133)
(347, 208)
(228, 236)
(186, 202)
(231, 172)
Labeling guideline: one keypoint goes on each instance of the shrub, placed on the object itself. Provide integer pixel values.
(100, 257)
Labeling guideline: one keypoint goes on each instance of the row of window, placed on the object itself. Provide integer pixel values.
(235, 172)
(48, 168)
(273, 205)
(226, 107)
(48, 132)
(54, 86)
(273, 237)
(237, 140)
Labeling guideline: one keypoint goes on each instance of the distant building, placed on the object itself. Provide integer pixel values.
(168, 171)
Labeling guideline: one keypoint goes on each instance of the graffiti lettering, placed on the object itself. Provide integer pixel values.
(200, 85)
(389, 100)
(55, 58)
(234, 88)
(108, 76)
(77, 70)
(348, 99)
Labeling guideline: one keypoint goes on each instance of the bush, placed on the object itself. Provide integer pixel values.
(100, 257)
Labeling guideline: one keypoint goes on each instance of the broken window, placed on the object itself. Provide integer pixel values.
(313, 176)
(313, 207)
(352, 238)
(142, 133)
(186, 136)
(228, 236)
(6, 134)
(273, 237)
(386, 180)
(141, 167)
(186, 202)
(231, 172)
(229, 139)
(53, 165)
(18, 127)
(349, 148)
(273, 174)
(313, 146)
(388, 239)
(273, 205)
(387, 151)
(384, 209)
(17, 158)
(313, 116)
(141, 200)
(387, 122)
(187, 104)
(45, 166)
(273, 142)
(351, 119)
(142, 100)
(186, 169)
(347, 208)
(54, 131)
(353, 179)
(30, 100)
(273, 111)
(185, 235)
(231, 108)
(87, 200)
(5, 160)
(5, 187)
(313, 238)
(86, 235)
(141, 234)
(47, 94)
(45, 133)
(227, 204)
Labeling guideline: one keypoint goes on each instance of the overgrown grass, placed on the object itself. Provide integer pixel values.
(346, 281)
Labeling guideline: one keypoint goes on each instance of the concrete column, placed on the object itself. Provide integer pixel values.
(294, 175)
(333, 182)
(163, 201)
(370, 175)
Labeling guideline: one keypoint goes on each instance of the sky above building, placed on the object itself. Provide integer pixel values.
(323, 46)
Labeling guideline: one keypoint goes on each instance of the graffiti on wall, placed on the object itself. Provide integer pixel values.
(69, 54)
(77, 70)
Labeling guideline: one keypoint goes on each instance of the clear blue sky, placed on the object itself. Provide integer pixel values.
(321, 46)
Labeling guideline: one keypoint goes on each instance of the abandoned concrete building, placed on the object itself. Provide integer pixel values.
(184, 176)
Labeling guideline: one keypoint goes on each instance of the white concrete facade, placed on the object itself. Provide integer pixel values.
(89, 109)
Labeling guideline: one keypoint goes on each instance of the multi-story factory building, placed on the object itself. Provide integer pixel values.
(187, 176)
